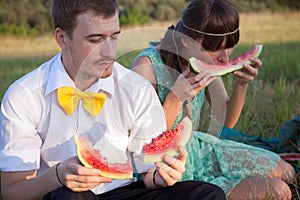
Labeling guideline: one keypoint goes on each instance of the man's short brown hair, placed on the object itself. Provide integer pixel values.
(65, 12)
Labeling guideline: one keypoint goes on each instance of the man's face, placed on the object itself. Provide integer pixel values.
(93, 47)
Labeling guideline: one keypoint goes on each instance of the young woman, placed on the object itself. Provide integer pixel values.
(38, 158)
(208, 31)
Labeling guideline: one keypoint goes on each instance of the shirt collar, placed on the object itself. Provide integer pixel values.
(58, 77)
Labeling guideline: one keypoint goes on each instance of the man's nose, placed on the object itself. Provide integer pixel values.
(108, 48)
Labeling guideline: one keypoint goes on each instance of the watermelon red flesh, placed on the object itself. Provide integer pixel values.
(168, 142)
(92, 158)
(230, 66)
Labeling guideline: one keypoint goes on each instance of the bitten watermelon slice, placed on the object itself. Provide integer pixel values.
(292, 158)
(91, 157)
(168, 142)
(232, 65)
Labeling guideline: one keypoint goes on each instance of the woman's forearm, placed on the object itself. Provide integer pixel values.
(235, 104)
(171, 107)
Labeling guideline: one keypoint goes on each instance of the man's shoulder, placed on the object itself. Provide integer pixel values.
(38, 74)
(39, 71)
(128, 80)
(33, 80)
(131, 77)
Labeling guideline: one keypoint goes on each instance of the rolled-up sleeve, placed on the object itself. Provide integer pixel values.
(149, 122)
(19, 142)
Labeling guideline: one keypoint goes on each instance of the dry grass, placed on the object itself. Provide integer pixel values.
(18, 47)
(255, 28)
(270, 28)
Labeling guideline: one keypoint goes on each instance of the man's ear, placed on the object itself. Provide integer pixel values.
(61, 38)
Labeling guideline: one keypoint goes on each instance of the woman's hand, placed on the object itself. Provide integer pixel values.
(187, 85)
(171, 169)
(248, 72)
(77, 177)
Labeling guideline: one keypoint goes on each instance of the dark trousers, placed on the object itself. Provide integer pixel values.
(190, 190)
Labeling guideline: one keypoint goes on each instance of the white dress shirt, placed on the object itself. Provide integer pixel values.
(35, 132)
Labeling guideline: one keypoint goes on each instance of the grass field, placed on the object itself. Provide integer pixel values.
(275, 87)
(272, 98)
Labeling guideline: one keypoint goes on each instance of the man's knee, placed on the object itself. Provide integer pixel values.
(66, 194)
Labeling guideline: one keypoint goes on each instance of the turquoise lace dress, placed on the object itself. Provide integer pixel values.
(218, 161)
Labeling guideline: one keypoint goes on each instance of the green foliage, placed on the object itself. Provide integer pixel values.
(250, 5)
(267, 5)
(139, 12)
(168, 10)
(24, 17)
(133, 16)
(17, 30)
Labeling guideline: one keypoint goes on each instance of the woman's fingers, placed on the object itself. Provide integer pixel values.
(256, 62)
(186, 72)
(171, 169)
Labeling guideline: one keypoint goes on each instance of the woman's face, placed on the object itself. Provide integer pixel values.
(219, 56)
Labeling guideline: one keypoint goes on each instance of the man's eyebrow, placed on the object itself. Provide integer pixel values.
(102, 35)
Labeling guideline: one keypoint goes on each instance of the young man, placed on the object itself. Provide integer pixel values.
(37, 151)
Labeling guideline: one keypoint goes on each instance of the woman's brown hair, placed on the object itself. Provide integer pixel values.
(208, 21)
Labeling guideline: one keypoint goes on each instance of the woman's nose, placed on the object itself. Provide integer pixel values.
(223, 56)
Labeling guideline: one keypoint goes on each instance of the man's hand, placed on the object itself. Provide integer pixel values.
(79, 178)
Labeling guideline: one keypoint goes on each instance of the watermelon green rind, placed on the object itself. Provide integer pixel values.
(78, 151)
(232, 65)
(85, 152)
(182, 137)
(193, 65)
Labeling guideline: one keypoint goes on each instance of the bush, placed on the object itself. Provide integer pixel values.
(133, 16)
(267, 5)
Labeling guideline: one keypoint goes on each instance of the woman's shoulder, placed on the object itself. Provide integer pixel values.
(150, 55)
(150, 52)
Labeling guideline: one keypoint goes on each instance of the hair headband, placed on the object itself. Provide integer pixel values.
(210, 34)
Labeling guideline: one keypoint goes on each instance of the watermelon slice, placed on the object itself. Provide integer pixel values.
(168, 142)
(91, 157)
(232, 65)
(290, 156)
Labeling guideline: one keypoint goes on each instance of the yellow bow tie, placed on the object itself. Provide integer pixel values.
(68, 98)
